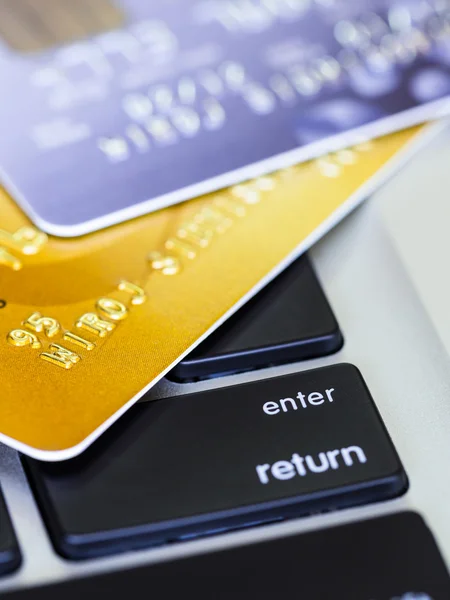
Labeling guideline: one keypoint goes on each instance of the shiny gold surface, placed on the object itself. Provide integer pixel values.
(36, 25)
(87, 323)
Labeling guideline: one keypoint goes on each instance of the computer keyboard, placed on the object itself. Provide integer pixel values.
(389, 558)
(241, 455)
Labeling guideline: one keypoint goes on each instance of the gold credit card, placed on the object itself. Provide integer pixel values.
(88, 325)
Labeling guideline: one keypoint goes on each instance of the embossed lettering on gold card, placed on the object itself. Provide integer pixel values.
(87, 325)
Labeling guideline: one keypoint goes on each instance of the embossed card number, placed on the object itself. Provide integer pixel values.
(98, 324)
(24, 242)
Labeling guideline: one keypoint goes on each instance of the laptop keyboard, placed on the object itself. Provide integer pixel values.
(388, 558)
(239, 456)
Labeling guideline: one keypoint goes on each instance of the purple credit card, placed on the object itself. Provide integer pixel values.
(169, 100)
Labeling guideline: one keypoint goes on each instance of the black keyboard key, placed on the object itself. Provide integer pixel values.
(290, 320)
(389, 558)
(221, 459)
(9, 550)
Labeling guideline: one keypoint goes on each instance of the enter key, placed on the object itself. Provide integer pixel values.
(220, 459)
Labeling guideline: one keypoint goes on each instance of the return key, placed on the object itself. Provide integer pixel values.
(220, 459)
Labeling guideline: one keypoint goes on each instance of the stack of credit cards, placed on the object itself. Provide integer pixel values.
(162, 161)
